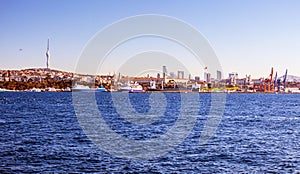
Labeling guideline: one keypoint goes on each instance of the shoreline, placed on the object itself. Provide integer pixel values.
(15, 91)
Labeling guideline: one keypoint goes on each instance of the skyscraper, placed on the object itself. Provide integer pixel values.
(48, 55)
(165, 72)
(180, 74)
(219, 75)
(208, 77)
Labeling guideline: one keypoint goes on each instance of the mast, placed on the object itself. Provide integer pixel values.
(48, 55)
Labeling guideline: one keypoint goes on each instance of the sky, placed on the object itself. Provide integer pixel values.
(248, 37)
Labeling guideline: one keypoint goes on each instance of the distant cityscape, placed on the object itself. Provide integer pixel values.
(45, 79)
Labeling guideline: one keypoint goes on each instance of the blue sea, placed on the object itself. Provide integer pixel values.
(257, 133)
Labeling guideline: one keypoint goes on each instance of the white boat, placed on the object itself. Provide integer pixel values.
(67, 89)
(101, 89)
(294, 90)
(2, 90)
(51, 89)
(7, 90)
(81, 88)
(125, 88)
(34, 90)
(135, 88)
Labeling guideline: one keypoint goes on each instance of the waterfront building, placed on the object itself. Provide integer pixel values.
(232, 77)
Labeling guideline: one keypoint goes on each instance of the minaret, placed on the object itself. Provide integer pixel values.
(48, 55)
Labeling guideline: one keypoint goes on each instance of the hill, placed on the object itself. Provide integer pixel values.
(291, 78)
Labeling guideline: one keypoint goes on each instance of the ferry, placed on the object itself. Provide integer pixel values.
(136, 88)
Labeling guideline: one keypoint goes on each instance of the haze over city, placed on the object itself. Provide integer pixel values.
(249, 37)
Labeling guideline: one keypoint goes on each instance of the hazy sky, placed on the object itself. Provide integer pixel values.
(249, 36)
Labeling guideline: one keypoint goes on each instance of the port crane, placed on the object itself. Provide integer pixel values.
(284, 79)
(268, 83)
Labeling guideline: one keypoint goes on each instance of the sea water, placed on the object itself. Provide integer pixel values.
(259, 133)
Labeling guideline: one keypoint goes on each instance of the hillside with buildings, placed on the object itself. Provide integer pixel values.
(45, 79)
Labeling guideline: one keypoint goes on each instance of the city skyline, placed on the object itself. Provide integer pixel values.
(248, 37)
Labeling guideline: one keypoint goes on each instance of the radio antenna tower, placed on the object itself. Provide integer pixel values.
(48, 55)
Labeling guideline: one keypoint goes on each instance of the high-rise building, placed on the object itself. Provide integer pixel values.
(232, 77)
(180, 74)
(164, 72)
(172, 75)
(207, 77)
(48, 56)
(219, 75)
(119, 77)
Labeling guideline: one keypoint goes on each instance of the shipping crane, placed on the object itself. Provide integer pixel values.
(268, 82)
(284, 79)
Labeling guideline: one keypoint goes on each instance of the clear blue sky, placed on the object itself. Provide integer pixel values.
(249, 36)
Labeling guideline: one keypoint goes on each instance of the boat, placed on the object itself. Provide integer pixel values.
(125, 88)
(2, 90)
(152, 87)
(49, 89)
(101, 89)
(34, 90)
(7, 90)
(172, 86)
(293, 90)
(81, 88)
(67, 89)
(136, 88)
